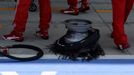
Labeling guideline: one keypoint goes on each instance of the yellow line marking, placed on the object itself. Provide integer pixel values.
(7, 9)
(103, 11)
(57, 9)
(0, 26)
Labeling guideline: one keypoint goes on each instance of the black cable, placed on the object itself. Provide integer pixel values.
(34, 48)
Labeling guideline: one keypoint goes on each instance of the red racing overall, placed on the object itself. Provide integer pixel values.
(21, 17)
(73, 9)
(75, 2)
(121, 10)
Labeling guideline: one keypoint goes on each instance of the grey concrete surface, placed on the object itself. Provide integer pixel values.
(100, 20)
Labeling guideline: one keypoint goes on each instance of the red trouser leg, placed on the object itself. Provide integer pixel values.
(72, 3)
(129, 5)
(45, 14)
(21, 15)
(120, 14)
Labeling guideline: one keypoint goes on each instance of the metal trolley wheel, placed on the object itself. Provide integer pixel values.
(5, 51)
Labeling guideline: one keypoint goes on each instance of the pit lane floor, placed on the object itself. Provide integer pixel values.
(100, 14)
(114, 63)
